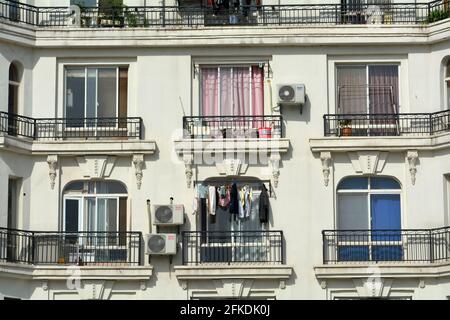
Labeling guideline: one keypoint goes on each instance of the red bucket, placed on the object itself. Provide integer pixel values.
(265, 132)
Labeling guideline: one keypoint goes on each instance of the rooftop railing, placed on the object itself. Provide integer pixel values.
(242, 15)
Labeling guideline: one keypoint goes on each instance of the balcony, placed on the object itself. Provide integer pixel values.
(231, 255)
(71, 248)
(232, 247)
(223, 127)
(397, 246)
(399, 124)
(362, 254)
(252, 15)
(66, 128)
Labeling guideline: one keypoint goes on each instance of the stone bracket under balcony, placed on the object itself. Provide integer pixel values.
(78, 147)
(194, 152)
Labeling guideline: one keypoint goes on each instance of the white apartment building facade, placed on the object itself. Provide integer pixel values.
(193, 150)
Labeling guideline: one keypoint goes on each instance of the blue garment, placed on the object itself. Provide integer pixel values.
(202, 191)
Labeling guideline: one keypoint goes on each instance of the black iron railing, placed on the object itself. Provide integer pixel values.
(353, 246)
(231, 247)
(219, 127)
(70, 128)
(70, 248)
(253, 15)
(394, 124)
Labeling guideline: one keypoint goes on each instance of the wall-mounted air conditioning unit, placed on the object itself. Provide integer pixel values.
(291, 94)
(161, 243)
(168, 215)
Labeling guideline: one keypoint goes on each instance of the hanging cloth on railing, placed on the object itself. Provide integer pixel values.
(264, 205)
(234, 199)
(212, 200)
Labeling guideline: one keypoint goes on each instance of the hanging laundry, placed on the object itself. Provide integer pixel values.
(234, 199)
(202, 191)
(264, 205)
(195, 205)
(224, 196)
(212, 200)
(241, 203)
(248, 197)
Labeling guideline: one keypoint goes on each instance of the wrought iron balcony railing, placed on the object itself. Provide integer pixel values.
(252, 15)
(71, 248)
(230, 247)
(71, 128)
(359, 246)
(399, 124)
(220, 127)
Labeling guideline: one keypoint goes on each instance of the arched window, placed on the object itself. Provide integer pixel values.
(95, 206)
(13, 93)
(447, 83)
(371, 204)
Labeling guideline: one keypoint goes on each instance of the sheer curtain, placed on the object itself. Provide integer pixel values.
(210, 92)
(383, 89)
(351, 90)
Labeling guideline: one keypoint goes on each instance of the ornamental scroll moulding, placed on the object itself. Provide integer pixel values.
(412, 158)
(138, 162)
(325, 158)
(52, 161)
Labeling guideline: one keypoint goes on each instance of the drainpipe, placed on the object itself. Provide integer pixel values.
(149, 216)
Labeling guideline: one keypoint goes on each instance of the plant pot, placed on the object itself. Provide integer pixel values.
(346, 132)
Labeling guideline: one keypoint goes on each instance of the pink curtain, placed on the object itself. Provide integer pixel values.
(209, 89)
(240, 85)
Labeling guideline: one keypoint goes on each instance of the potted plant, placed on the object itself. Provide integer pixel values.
(346, 129)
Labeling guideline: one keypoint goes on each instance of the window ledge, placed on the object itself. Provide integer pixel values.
(225, 271)
(13, 270)
(77, 147)
(403, 143)
(394, 269)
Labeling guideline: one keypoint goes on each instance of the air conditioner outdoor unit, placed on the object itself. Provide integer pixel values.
(168, 215)
(161, 243)
(291, 94)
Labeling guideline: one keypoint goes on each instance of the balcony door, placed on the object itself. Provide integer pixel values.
(371, 205)
(13, 239)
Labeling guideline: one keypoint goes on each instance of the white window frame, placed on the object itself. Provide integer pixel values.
(447, 84)
(96, 68)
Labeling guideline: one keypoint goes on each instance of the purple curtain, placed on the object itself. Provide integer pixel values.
(383, 89)
(351, 90)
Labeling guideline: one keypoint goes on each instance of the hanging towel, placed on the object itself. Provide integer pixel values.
(202, 191)
(224, 201)
(195, 205)
(264, 205)
(234, 199)
(248, 197)
(241, 203)
(212, 200)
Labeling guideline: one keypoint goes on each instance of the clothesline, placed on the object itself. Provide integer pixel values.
(221, 182)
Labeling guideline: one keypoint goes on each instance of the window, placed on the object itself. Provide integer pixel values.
(232, 90)
(95, 206)
(367, 89)
(84, 3)
(95, 93)
(369, 204)
(447, 83)
(13, 91)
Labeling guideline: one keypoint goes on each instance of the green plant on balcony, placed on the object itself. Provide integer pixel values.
(437, 15)
(345, 125)
(131, 18)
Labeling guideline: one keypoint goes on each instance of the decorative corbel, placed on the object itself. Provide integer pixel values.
(325, 157)
(138, 161)
(275, 166)
(188, 160)
(412, 156)
(52, 161)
